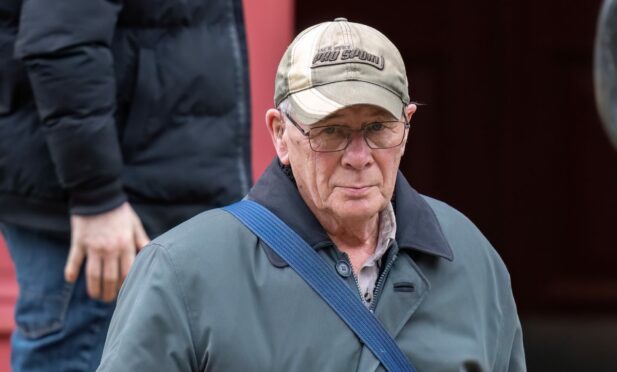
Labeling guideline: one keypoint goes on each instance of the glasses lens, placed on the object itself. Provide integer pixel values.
(379, 135)
(384, 135)
(329, 138)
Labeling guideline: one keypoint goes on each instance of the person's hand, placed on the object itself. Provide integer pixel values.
(110, 241)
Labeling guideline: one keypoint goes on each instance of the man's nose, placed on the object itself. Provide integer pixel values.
(357, 154)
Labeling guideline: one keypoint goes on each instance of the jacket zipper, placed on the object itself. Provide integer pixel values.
(381, 282)
(355, 278)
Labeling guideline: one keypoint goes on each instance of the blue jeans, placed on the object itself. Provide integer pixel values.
(59, 328)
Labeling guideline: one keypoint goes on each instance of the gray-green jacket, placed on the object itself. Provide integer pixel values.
(209, 296)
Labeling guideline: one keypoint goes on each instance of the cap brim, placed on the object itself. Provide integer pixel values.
(314, 104)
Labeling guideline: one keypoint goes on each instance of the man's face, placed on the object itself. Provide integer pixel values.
(352, 184)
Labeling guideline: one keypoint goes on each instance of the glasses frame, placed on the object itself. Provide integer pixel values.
(306, 133)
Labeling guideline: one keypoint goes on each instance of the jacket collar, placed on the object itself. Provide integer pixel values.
(417, 225)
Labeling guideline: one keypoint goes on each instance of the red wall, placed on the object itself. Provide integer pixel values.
(269, 29)
(8, 293)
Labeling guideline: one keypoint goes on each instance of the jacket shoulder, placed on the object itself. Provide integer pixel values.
(468, 243)
(214, 238)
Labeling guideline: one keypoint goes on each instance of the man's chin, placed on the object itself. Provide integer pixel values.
(357, 209)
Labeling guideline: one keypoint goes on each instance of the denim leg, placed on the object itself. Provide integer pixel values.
(59, 328)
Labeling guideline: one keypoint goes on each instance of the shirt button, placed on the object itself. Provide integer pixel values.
(343, 269)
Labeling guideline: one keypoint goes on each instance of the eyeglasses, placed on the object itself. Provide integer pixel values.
(377, 135)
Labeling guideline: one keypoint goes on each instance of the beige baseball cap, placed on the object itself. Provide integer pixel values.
(337, 64)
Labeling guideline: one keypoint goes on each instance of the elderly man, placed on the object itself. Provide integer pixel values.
(215, 295)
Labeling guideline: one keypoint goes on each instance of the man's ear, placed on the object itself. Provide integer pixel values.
(410, 109)
(276, 127)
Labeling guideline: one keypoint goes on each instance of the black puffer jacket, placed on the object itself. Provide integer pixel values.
(106, 100)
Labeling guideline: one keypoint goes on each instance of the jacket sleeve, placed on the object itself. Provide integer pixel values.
(150, 328)
(517, 352)
(65, 45)
(511, 349)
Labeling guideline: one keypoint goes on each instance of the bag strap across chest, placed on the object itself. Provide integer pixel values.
(307, 263)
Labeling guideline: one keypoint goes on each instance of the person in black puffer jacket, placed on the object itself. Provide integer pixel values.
(118, 120)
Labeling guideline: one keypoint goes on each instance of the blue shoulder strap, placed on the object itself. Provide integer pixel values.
(314, 270)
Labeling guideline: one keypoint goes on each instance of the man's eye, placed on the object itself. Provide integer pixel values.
(331, 131)
(375, 127)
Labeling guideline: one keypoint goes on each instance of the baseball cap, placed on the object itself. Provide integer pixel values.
(337, 64)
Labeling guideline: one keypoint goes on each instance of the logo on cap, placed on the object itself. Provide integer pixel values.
(328, 56)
